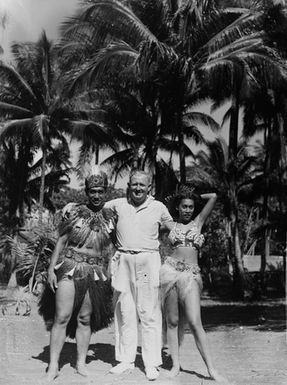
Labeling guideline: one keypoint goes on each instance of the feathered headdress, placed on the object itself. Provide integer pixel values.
(96, 178)
(183, 191)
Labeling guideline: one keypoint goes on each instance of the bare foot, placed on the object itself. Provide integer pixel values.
(82, 370)
(218, 377)
(50, 376)
(174, 371)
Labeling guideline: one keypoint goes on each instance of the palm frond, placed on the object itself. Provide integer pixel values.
(120, 163)
(13, 127)
(226, 117)
(121, 157)
(202, 119)
(193, 133)
(91, 133)
(10, 75)
(95, 24)
(174, 146)
(112, 57)
(232, 32)
(14, 111)
(198, 176)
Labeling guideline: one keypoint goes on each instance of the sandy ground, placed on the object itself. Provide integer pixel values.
(248, 344)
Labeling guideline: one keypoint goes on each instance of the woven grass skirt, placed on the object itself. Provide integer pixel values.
(180, 276)
(87, 277)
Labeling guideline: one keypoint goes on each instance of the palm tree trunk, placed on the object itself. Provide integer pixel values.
(248, 230)
(42, 187)
(229, 238)
(31, 281)
(12, 280)
(24, 149)
(233, 127)
(97, 154)
(266, 250)
(282, 134)
(180, 135)
(136, 159)
(265, 256)
(236, 256)
(285, 256)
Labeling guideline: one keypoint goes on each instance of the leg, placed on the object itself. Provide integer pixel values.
(83, 334)
(192, 310)
(149, 311)
(172, 319)
(126, 325)
(64, 306)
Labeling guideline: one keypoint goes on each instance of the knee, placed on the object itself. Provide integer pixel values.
(62, 319)
(84, 319)
(172, 321)
(147, 319)
(195, 324)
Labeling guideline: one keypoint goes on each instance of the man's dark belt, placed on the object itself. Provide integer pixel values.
(79, 257)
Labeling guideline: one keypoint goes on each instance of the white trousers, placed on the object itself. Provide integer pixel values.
(136, 281)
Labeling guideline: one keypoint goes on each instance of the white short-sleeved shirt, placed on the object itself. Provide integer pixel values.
(138, 226)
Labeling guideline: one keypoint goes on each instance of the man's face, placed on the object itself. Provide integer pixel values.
(96, 196)
(139, 187)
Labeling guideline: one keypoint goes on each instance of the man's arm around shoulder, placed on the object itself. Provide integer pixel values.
(113, 203)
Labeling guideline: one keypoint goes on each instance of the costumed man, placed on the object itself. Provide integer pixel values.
(77, 298)
(135, 274)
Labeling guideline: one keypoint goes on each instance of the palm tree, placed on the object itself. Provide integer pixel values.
(29, 255)
(142, 135)
(16, 158)
(32, 106)
(20, 178)
(266, 115)
(59, 168)
(265, 111)
(91, 128)
(174, 56)
(214, 169)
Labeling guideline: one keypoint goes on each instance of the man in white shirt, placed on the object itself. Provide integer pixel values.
(135, 274)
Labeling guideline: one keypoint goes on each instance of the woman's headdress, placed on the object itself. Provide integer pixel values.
(182, 191)
(96, 178)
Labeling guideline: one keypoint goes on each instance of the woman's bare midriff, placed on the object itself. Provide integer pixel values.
(186, 255)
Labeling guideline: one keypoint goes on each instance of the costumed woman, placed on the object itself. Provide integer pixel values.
(180, 278)
(77, 298)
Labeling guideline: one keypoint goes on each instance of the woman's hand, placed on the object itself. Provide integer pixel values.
(52, 280)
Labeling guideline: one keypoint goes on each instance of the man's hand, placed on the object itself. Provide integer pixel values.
(52, 280)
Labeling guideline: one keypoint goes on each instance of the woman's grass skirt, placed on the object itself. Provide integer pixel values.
(83, 276)
(179, 276)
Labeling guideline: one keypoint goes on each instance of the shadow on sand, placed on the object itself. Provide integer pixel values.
(167, 365)
(100, 351)
(105, 353)
(262, 317)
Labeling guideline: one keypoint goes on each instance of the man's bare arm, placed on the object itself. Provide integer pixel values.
(52, 279)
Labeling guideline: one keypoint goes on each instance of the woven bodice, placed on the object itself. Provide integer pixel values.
(190, 238)
(86, 228)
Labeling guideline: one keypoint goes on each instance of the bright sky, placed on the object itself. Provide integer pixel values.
(23, 20)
